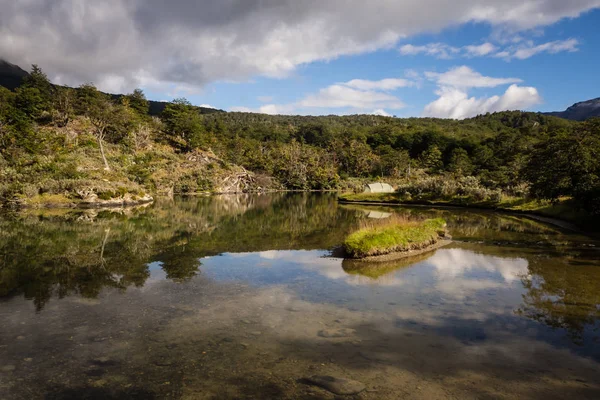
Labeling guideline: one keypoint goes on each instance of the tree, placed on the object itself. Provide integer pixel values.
(34, 96)
(568, 165)
(101, 112)
(393, 163)
(432, 159)
(63, 106)
(138, 102)
(460, 163)
(183, 123)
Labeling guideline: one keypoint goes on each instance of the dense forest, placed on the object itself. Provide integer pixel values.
(60, 143)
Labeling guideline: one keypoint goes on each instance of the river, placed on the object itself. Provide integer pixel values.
(244, 297)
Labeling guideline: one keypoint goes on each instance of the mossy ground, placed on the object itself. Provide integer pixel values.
(393, 235)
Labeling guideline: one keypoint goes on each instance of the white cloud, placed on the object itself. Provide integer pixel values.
(558, 46)
(465, 77)
(206, 106)
(122, 44)
(518, 49)
(355, 96)
(455, 103)
(384, 84)
(480, 50)
(439, 50)
(339, 96)
(381, 112)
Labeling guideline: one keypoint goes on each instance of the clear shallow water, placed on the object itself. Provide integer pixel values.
(242, 296)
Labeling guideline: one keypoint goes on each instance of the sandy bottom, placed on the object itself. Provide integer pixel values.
(232, 341)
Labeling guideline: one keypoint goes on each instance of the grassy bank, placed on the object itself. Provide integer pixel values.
(563, 210)
(393, 235)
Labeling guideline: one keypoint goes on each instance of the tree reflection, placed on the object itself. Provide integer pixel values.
(564, 293)
(84, 252)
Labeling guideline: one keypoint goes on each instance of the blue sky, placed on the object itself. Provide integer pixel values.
(390, 57)
(561, 78)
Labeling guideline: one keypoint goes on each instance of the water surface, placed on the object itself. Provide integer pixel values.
(233, 297)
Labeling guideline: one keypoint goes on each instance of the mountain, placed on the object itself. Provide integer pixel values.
(11, 77)
(580, 111)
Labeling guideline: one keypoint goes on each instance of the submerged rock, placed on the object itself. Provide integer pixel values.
(336, 385)
(336, 333)
(7, 368)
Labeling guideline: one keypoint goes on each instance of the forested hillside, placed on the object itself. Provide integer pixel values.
(63, 143)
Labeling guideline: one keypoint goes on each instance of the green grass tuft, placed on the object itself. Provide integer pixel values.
(393, 235)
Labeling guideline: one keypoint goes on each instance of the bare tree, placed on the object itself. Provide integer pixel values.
(100, 111)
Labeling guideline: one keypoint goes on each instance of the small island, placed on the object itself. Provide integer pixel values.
(396, 238)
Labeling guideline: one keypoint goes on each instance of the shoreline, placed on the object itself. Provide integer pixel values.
(561, 223)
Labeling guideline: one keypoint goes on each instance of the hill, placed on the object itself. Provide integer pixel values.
(66, 145)
(580, 111)
(11, 77)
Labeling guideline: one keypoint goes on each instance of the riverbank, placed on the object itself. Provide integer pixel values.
(563, 213)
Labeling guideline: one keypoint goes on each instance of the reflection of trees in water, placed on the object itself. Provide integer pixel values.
(82, 253)
(564, 293)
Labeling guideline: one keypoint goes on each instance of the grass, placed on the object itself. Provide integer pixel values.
(393, 235)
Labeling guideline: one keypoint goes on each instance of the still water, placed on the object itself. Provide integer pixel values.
(242, 297)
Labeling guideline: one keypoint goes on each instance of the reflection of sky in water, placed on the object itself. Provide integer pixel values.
(448, 277)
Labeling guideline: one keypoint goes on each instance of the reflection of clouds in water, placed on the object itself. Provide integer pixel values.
(452, 263)
(328, 267)
(460, 273)
(157, 274)
(454, 272)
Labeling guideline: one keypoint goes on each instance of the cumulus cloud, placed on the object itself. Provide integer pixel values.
(464, 77)
(121, 44)
(354, 96)
(454, 100)
(339, 96)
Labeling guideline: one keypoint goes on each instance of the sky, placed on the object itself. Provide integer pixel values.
(405, 58)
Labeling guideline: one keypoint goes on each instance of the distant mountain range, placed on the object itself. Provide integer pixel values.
(580, 111)
(12, 75)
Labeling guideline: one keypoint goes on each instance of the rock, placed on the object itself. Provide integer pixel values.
(163, 362)
(103, 361)
(7, 368)
(336, 333)
(336, 385)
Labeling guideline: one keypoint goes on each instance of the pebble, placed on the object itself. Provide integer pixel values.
(336, 385)
(7, 368)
